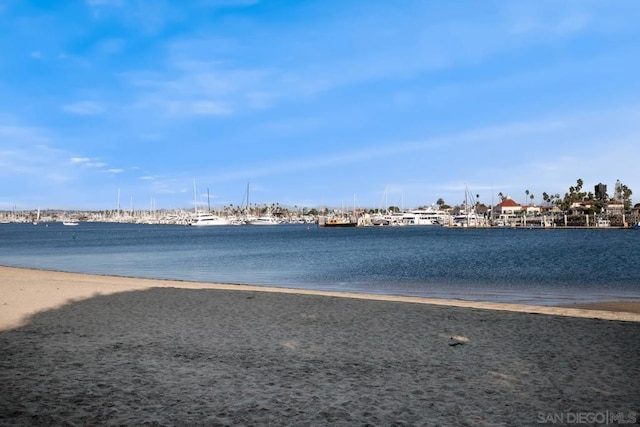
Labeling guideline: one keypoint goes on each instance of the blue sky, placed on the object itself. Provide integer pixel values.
(314, 103)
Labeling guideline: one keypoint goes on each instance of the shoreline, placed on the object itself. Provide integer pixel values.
(25, 295)
(81, 349)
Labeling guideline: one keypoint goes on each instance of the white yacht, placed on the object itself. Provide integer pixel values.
(429, 216)
(202, 219)
(471, 219)
(261, 220)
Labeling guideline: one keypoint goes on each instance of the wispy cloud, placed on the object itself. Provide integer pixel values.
(228, 3)
(23, 134)
(32, 158)
(200, 88)
(84, 108)
(139, 16)
(422, 97)
(111, 3)
(111, 46)
(543, 142)
(548, 18)
(87, 162)
(80, 160)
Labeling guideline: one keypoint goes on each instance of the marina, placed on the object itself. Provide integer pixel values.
(427, 216)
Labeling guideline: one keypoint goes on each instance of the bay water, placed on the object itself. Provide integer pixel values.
(533, 266)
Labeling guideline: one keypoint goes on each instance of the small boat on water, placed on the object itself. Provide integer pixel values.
(69, 223)
(261, 220)
(336, 222)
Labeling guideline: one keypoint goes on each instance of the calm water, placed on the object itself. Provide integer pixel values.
(529, 266)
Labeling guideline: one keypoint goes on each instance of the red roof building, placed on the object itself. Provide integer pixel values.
(508, 206)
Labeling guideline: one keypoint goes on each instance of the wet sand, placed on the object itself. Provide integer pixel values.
(80, 349)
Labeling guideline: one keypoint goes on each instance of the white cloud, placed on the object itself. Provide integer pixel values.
(87, 162)
(80, 160)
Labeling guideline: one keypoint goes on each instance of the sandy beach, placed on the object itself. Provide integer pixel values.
(97, 350)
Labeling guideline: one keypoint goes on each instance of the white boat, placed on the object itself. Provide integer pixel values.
(250, 219)
(37, 220)
(468, 217)
(203, 219)
(69, 223)
(429, 216)
(261, 220)
(471, 219)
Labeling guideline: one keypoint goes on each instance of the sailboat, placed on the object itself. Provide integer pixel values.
(37, 217)
(203, 219)
(266, 219)
(468, 217)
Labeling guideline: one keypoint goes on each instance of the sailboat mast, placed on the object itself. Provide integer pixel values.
(195, 197)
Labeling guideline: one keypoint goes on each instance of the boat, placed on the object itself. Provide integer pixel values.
(69, 223)
(261, 220)
(203, 219)
(37, 220)
(336, 222)
(265, 219)
(468, 217)
(429, 216)
(392, 218)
